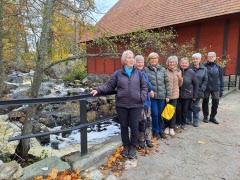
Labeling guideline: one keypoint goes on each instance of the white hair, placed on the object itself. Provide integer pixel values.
(174, 58)
(197, 55)
(212, 54)
(124, 55)
(139, 58)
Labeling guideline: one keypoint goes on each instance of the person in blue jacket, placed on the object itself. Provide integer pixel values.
(144, 134)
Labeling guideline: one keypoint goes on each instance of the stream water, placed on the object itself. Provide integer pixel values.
(58, 145)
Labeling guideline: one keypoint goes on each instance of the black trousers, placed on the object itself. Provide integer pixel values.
(215, 103)
(182, 110)
(171, 123)
(129, 117)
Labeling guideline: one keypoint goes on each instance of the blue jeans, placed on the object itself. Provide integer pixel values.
(193, 116)
(157, 106)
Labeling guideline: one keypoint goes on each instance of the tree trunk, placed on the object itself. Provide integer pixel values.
(24, 145)
(2, 74)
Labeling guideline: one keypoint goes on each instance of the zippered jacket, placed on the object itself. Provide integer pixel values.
(159, 81)
(131, 91)
(174, 83)
(202, 76)
(189, 88)
(215, 77)
(147, 103)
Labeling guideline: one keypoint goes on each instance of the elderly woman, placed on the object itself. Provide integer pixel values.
(188, 92)
(131, 93)
(214, 88)
(175, 81)
(201, 72)
(145, 122)
(159, 94)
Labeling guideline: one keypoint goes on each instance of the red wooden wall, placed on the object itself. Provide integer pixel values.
(212, 33)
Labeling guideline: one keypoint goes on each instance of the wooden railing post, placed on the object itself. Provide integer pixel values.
(83, 134)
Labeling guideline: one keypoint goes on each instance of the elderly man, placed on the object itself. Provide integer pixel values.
(214, 87)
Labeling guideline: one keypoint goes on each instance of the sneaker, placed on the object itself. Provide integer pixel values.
(213, 120)
(149, 144)
(162, 135)
(195, 124)
(166, 131)
(124, 152)
(172, 133)
(205, 119)
(183, 127)
(141, 144)
(132, 152)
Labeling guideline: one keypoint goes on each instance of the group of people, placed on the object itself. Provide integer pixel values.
(143, 92)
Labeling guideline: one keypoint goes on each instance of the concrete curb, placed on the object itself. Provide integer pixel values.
(96, 154)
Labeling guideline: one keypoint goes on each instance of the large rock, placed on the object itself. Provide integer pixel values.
(11, 170)
(44, 167)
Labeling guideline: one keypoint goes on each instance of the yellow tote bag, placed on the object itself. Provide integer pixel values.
(168, 111)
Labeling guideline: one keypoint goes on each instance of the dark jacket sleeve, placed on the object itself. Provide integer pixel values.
(109, 86)
(195, 85)
(221, 78)
(144, 88)
(205, 80)
(148, 82)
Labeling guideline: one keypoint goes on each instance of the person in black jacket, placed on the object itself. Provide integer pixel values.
(214, 87)
(188, 92)
(202, 75)
(132, 92)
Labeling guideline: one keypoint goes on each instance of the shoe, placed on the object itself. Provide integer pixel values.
(124, 152)
(195, 124)
(172, 133)
(183, 127)
(213, 120)
(189, 122)
(141, 144)
(149, 144)
(162, 135)
(156, 135)
(166, 131)
(205, 119)
(132, 152)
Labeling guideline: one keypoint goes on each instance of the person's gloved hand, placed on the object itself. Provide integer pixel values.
(221, 94)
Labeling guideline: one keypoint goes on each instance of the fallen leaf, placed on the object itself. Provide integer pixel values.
(77, 170)
(88, 171)
(117, 174)
(201, 142)
(105, 171)
(53, 174)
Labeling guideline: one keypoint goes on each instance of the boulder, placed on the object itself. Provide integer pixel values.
(44, 167)
(11, 170)
(15, 79)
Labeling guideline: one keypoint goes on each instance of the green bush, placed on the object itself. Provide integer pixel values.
(75, 74)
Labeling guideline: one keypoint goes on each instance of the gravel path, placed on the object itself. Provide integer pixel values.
(184, 157)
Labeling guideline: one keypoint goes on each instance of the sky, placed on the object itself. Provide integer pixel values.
(103, 6)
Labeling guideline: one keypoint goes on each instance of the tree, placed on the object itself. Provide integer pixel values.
(2, 74)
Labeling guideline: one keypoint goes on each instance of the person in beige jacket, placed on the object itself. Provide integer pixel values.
(175, 81)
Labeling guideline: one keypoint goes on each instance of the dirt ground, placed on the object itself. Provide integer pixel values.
(207, 152)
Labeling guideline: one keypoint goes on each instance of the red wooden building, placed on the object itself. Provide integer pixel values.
(212, 23)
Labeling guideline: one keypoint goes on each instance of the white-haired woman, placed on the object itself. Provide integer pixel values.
(188, 92)
(160, 93)
(145, 121)
(214, 88)
(175, 81)
(202, 75)
(131, 93)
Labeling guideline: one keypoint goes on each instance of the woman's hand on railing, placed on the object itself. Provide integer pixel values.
(94, 92)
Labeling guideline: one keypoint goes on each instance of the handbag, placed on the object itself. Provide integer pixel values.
(168, 111)
(194, 107)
